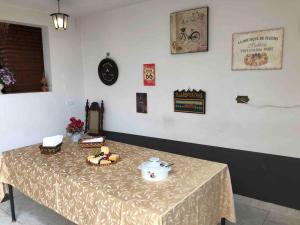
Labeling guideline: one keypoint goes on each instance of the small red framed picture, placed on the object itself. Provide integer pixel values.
(149, 74)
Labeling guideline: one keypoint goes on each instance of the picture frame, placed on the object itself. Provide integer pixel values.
(149, 74)
(190, 101)
(141, 103)
(189, 31)
(258, 50)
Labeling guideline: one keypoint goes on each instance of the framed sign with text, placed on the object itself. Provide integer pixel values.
(149, 74)
(189, 101)
(258, 50)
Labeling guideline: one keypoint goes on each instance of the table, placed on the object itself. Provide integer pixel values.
(197, 192)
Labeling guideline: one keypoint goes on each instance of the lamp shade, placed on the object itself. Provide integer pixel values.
(60, 20)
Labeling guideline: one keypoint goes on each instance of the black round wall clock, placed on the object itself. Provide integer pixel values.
(108, 71)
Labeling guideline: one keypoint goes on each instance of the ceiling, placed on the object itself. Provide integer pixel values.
(72, 7)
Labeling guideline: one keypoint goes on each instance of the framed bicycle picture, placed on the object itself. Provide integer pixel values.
(189, 31)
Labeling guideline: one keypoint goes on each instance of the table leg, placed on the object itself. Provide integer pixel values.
(12, 204)
(223, 221)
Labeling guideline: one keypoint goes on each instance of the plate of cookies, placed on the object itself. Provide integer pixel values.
(103, 157)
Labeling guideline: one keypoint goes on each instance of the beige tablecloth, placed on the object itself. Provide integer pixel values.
(197, 192)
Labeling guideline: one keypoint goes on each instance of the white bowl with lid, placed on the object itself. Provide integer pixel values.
(155, 169)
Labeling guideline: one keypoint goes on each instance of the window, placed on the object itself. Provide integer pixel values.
(21, 51)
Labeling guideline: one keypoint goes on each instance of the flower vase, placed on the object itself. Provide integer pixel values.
(76, 137)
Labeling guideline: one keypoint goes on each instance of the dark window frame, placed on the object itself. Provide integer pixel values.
(21, 50)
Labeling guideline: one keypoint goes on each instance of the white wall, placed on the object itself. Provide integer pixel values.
(26, 118)
(140, 34)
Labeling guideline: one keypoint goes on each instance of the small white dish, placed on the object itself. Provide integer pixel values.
(155, 169)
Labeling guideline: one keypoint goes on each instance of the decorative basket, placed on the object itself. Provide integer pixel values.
(90, 144)
(50, 150)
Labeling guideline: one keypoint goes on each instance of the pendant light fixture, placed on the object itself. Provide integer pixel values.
(60, 20)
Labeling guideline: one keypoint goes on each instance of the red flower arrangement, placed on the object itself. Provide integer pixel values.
(75, 126)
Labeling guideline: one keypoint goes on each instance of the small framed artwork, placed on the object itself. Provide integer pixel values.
(189, 101)
(141, 102)
(258, 50)
(149, 74)
(189, 31)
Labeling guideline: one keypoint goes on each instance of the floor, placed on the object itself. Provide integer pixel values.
(249, 212)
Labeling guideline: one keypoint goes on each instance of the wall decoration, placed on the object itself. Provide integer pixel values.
(258, 50)
(149, 74)
(189, 31)
(108, 71)
(141, 102)
(189, 101)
